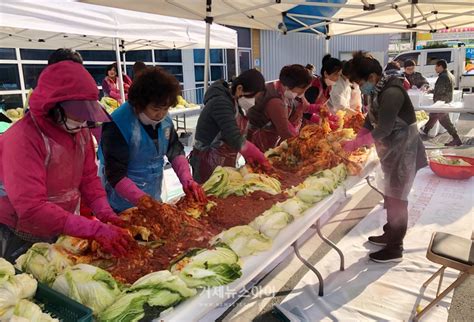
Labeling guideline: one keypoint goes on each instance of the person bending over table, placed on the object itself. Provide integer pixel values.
(391, 125)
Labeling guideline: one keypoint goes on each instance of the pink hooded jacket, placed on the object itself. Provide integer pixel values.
(24, 202)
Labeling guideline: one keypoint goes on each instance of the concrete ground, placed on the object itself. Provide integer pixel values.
(284, 277)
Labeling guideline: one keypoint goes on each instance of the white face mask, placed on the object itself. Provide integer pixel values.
(290, 95)
(72, 126)
(246, 103)
(329, 82)
(148, 121)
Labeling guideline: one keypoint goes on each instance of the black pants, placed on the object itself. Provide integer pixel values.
(444, 120)
(11, 246)
(397, 221)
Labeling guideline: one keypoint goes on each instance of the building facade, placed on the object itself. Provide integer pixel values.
(266, 50)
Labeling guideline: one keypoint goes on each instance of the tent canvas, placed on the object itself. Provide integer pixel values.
(53, 24)
(342, 16)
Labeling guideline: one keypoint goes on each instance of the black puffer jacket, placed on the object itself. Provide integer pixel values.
(218, 118)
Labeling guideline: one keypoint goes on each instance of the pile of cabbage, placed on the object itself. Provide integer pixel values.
(258, 235)
(158, 292)
(148, 297)
(16, 292)
(226, 181)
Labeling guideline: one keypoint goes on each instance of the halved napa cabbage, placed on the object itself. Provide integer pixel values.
(244, 240)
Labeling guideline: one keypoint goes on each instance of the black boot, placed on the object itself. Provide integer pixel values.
(456, 141)
(388, 255)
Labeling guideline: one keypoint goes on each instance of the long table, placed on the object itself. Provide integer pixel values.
(179, 115)
(198, 306)
(457, 107)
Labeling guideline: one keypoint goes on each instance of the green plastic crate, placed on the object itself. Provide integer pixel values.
(60, 306)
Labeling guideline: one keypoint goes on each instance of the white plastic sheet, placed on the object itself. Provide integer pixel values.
(373, 291)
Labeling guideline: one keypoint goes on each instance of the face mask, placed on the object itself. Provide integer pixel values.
(246, 103)
(148, 121)
(367, 88)
(329, 82)
(72, 126)
(290, 95)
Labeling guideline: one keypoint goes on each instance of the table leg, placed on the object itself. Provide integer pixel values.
(311, 267)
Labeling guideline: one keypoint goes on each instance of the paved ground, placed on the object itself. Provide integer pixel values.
(286, 275)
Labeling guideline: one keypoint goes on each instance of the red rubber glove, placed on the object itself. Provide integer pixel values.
(102, 210)
(253, 155)
(363, 138)
(314, 108)
(315, 118)
(191, 188)
(127, 189)
(112, 239)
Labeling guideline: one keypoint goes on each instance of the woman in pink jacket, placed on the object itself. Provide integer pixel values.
(48, 165)
(110, 84)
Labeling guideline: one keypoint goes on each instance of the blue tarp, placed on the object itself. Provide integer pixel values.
(312, 11)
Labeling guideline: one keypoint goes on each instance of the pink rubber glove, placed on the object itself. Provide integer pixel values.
(293, 129)
(314, 108)
(111, 238)
(102, 210)
(363, 138)
(315, 118)
(127, 189)
(192, 188)
(253, 155)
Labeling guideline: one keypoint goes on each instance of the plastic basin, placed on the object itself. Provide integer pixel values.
(453, 171)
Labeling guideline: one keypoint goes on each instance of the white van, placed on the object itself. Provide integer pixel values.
(458, 59)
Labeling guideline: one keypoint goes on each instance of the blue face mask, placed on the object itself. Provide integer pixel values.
(367, 88)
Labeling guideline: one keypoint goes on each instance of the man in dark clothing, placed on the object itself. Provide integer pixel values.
(443, 91)
(218, 136)
(415, 78)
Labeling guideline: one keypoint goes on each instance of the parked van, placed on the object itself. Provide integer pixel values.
(460, 63)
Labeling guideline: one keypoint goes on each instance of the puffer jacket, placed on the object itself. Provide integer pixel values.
(24, 203)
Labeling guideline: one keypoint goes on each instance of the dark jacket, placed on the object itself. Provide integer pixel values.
(393, 101)
(416, 79)
(444, 87)
(217, 119)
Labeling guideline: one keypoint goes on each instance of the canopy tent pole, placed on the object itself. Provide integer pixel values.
(124, 59)
(208, 21)
(326, 42)
(236, 62)
(119, 69)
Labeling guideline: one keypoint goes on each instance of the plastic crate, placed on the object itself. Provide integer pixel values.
(60, 306)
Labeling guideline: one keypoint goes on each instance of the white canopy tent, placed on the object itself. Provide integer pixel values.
(54, 24)
(343, 16)
(325, 18)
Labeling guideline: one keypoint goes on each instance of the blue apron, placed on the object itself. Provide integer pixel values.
(145, 166)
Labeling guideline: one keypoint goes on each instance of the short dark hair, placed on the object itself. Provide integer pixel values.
(251, 80)
(109, 67)
(330, 65)
(393, 65)
(362, 65)
(138, 67)
(346, 68)
(62, 54)
(309, 66)
(409, 63)
(155, 85)
(443, 63)
(295, 76)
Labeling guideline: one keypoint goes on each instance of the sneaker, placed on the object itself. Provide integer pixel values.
(378, 240)
(454, 142)
(387, 256)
